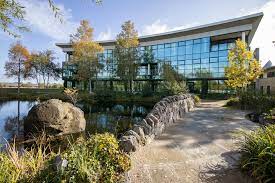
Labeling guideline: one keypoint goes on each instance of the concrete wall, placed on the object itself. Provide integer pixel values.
(266, 82)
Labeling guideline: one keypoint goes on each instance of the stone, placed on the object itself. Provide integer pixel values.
(133, 133)
(55, 117)
(60, 163)
(146, 128)
(128, 144)
(140, 132)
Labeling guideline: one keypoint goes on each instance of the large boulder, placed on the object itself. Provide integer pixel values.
(55, 117)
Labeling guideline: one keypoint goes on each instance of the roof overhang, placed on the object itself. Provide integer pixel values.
(227, 28)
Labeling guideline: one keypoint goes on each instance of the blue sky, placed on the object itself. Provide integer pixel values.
(149, 16)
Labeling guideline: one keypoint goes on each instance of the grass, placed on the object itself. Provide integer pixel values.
(258, 154)
(94, 159)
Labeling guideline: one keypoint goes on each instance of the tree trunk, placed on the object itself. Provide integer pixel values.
(90, 86)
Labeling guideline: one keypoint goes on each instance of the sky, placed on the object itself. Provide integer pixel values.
(149, 16)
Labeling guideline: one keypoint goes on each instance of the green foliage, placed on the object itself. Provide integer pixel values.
(173, 83)
(85, 54)
(41, 65)
(126, 54)
(16, 166)
(258, 153)
(256, 101)
(252, 100)
(96, 159)
(233, 102)
(11, 14)
(196, 99)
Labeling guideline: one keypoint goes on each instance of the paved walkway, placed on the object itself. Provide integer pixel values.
(199, 148)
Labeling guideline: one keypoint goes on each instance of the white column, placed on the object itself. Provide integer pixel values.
(243, 37)
(148, 72)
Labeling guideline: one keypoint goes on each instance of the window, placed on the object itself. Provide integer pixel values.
(205, 47)
(214, 54)
(189, 49)
(181, 57)
(196, 48)
(188, 56)
(262, 89)
(197, 41)
(181, 50)
(196, 61)
(213, 60)
(223, 53)
(270, 74)
(214, 47)
(223, 46)
(189, 42)
(205, 60)
(182, 43)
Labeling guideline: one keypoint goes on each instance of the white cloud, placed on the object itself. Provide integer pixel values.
(41, 19)
(159, 27)
(265, 32)
(105, 35)
(155, 28)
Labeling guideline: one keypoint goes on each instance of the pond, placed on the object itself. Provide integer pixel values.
(115, 118)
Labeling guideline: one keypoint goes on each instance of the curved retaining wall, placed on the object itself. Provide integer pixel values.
(164, 113)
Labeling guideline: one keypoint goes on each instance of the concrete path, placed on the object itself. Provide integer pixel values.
(201, 147)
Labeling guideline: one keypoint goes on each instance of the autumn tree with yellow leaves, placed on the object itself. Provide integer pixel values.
(243, 67)
(85, 52)
(16, 66)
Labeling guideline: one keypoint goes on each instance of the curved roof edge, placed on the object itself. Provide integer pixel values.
(252, 19)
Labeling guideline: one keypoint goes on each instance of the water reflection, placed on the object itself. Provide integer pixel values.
(11, 118)
(114, 118)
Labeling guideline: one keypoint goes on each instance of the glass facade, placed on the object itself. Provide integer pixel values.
(195, 59)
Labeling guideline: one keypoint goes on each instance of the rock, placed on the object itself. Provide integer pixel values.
(55, 117)
(163, 114)
(128, 143)
(133, 133)
(140, 132)
(265, 121)
(60, 163)
(146, 128)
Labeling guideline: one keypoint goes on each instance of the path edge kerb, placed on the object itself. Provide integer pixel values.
(164, 113)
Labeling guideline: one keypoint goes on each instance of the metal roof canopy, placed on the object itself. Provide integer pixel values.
(253, 20)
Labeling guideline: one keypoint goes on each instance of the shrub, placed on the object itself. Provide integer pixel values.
(232, 102)
(256, 101)
(97, 159)
(23, 166)
(258, 153)
(196, 99)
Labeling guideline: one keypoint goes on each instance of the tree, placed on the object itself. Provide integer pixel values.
(173, 83)
(243, 67)
(13, 13)
(41, 65)
(126, 54)
(15, 66)
(85, 53)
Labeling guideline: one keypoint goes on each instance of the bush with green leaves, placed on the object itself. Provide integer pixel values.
(93, 159)
(196, 99)
(258, 153)
(256, 101)
(233, 102)
(96, 159)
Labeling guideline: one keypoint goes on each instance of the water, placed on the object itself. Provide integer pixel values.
(114, 118)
